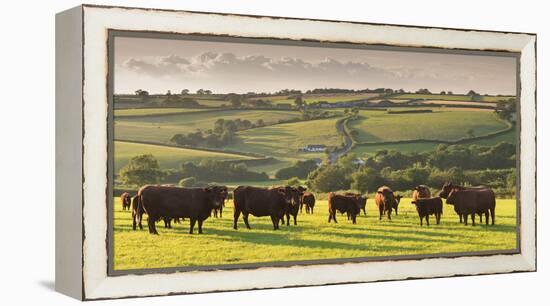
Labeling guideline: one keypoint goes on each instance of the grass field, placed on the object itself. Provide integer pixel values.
(450, 97)
(132, 112)
(312, 239)
(441, 124)
(168, 157)
(284, 140)
(162, 128)
(312, 98)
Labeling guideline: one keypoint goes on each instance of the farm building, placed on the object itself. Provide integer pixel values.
(314, 148)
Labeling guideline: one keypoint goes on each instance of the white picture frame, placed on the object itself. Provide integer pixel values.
(82, 66)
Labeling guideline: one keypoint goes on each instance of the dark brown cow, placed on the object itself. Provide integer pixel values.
(473, 201)
(429, 206)
(448, 187)
(262, 202)
(308, 199)
(126, 200)
(362, 201)
(350, 205)
(294, 209)
(161, 202)
(396, 202)
(385, 200)
(220, 209)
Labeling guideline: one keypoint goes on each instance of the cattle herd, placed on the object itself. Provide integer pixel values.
(168, 203)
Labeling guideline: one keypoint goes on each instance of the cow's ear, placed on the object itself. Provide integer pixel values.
(413, 202)
(207, 189)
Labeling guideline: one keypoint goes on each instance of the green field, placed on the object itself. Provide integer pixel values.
(312, 239)
(133, 112)
(450, 97)
(162, 128)
(441, 124)
(312, 98)
(168, 157)
(284, 140)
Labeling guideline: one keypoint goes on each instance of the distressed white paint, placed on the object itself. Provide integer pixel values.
(96, 23)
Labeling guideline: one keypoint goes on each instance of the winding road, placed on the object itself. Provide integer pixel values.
(340, 126)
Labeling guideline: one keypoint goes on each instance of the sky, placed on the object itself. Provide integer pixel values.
(159, 65)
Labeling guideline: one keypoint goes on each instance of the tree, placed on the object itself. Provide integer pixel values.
(185, 91)
(331, 178)
(365, 180)
(142, 93)
(299, 102)
(168, 93)
(293, 181)
(188, 182)
(235, 100)
(200, 91)
(141, 170)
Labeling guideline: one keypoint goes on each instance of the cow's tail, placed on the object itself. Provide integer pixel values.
(137, 210)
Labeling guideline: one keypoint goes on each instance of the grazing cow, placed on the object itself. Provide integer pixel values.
(429, 206)
(126, 200)
(309, 201)
(137, 213)
(362, 201)
(385, 200)
(161, 202)
(262, 202)
(473, 201)
(351, 205)
(448, 187)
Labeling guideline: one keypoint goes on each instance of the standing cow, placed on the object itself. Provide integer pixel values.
(421, 192)
(459, 209)
(176, 202)
(351, 205)
(126, 200)
(396, 203)
(385, 200)
(308, 199)
(220, 209)
(429, 206)
(262, 202)
(362, 201)
(472, 202)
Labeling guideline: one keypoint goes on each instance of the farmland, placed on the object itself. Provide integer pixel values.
(312, 239)
(441, 124)
(449, 97)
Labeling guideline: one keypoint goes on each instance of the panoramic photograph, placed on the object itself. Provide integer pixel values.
(231, 152)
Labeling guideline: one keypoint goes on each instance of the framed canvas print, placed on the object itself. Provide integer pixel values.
(202, 152)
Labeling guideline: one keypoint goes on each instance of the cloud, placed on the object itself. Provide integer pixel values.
(213, 63)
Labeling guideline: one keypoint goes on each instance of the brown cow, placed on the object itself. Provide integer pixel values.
(448, 187)
(396, 202)
(126, 200)
(351, 205)
(137, 213)
(263, 202)
(294, 209)
(308, 199)
(473, 201)
(429, 206)
(220, 209)
(362, 201)
(385, 200)
(161, 202)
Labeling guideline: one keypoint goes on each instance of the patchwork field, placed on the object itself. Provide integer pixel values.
(162, 128)
(450, 97)
(168, 157)
(441, 124)
(312, 239)
(136, 112)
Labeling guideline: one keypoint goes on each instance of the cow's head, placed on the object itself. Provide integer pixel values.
(445, 190)
(291, 195)
(452, 197)
(397, 200)
(362, 201)
(216, 195)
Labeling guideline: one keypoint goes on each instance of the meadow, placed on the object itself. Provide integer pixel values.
(449, 97)
(440, 124)
(313, 238)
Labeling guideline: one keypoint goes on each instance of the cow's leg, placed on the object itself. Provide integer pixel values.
(192, 222)
(421, 218)
(275, 222)
(437, 218)
(465, 218)
(486, 218)
(334, 217)
(236, 215)
(381, 213)
(460, 218)
(221, 209)
(329, 216)
(396, 211)
(492, 210)
(311, 210)
(354, 218)
(140, 218)
(364, 211)
(134, 222)
(287, 219)
(245, 218)
(428, 220)
(200, 225)
(295, 216)
(389, 214)
(473, 219)
(152, 226)
(301, 205)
